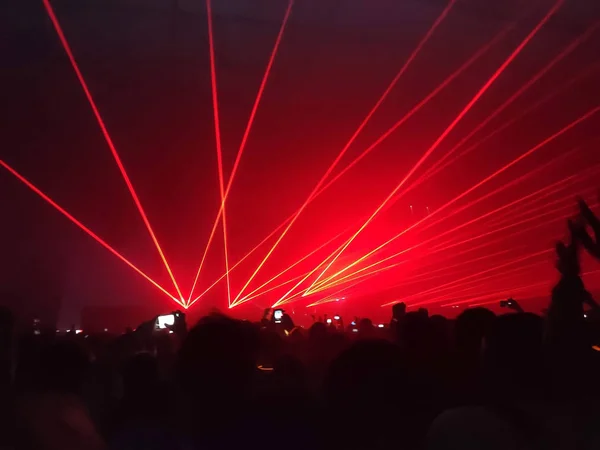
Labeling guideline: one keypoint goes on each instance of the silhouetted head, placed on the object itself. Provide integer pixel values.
(296, 335)
(440, 330)
(371, 394)
(414, 332)
(470, 328)
(366, 330)
(399, 310)
(287, 323)
(63, 367)
(513, 350)
(217, 359)
(365, 372)
(140, 374)
(318, 332)
(7, 320)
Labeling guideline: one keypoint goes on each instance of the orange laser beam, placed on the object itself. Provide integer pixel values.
(559, 133)
(477, 276)
(509, 101)
(351, 141)
(108, 139)
(461, 69)
(446, 246)
(512, 224)
(502, 188)
(215, 103)
(421, 104)
(248, 296)
(458, 118)
(98, 239)
(245, 138)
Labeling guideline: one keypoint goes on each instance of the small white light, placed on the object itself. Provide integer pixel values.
(381, 325)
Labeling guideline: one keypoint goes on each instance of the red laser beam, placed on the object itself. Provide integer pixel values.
(488, 277)
(502, 188)
(107, 138)
(480, 289)
(478, 54)
(69, 216)
(546, 283)
(444, 269)
(351, 141)
(454, 75)
(446, 288)
(428, 276)
(422, 103)
(260, 244)
(540, 194)
(452, 125)
(354, 276)
(503, 238)
(528, 205)
(289, 267)
(477, 276)
(331, 298)
(447, 246)
(251, 297)
(244, 141)
(479, 184)
(497, 293)
(294, 264)
(419, 278)
(461, 69)
(306, 277)
(242, 260)
(247, 255)
(465, 289)
(490, 243)
(215, 103)
(521, 222)
(549, 282)
(465, 224)
(436, 168)
(505, 186)
(509, 101)
(248, 296)
(511, 121)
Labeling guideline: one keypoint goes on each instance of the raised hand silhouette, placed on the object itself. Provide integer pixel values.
(592, 245)
(511, 303)
(568, 254)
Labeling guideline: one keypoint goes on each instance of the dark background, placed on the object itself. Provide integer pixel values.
(147, 65)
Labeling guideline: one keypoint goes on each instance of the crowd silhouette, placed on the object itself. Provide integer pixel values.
(515, 381)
